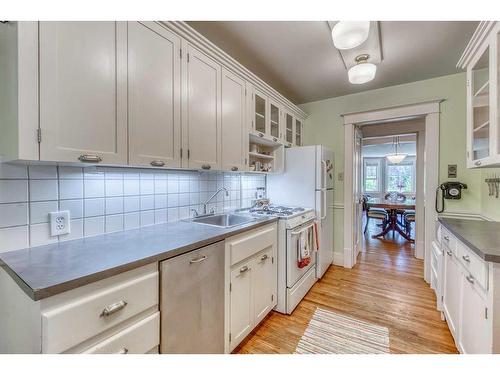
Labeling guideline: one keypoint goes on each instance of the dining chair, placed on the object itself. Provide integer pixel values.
(374, 213)
(409, 217)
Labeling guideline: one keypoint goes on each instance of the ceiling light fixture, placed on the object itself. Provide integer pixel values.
(363, 71)
(396, 158)
(350, 34)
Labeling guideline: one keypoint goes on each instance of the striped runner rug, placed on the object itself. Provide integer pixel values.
(332, 333)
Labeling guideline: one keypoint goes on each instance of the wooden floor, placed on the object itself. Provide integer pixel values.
(386, 288)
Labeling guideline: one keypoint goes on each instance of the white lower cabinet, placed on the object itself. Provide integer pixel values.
(451, 292)
(474, 326)
(252, 280)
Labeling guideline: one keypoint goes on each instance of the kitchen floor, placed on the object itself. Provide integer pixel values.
(386, 288)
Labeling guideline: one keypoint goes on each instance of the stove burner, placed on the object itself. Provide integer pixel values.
(281, 211)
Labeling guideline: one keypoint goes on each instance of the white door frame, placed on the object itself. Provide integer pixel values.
(430, 112)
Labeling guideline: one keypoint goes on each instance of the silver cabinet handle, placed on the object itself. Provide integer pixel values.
(206, 166)
(478, 163)
(157, 163)
(470, 279)
(261, 135)
(123, 351)
(88, 158)
(264, 257)
(449, 252)
(244, 269)
(234, 169)
(113, 308)
(466, 258)
(198, 260)
(447, 238)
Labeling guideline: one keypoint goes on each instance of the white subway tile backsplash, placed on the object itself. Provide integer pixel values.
(13, 171)
(114, 205)
(102, 199)
(70, 189)
(131, 220)
(13, 191)
(131, 204)
(40, 235)
(93, 188)
(42, 172)
(114, 223)
(14, 238)
(93, 226)
(13, 214)
(75, 208)
(93, 207)
(39, 211)
(43, 190)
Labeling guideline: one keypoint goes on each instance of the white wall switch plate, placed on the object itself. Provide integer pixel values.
(59, 223)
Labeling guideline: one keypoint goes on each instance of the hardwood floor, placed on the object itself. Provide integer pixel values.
(386, 287)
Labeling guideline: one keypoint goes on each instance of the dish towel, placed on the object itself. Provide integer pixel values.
(304, 250)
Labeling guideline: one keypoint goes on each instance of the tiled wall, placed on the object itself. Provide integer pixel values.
(103, 200)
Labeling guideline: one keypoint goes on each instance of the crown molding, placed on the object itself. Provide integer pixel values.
(480, 35)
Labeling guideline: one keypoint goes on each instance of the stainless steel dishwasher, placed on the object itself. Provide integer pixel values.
(192, 301)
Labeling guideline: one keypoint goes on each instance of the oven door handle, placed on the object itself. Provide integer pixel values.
(295, 232)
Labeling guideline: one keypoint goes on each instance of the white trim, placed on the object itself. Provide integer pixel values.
(338, 259)
(192, 36)
(430, 112)
(479, 36)
(465, 216)
(401, 111)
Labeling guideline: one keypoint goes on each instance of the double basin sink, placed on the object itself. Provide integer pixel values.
(223, 220)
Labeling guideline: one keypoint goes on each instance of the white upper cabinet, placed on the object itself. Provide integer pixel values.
(201, 114)
(275, 121)
(289, 122)
(481, 59)
(154, 95)
(83, 98)
(297, 133)
(233, 122)
(260, 123)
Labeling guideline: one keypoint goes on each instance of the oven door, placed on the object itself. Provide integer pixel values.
(293, 272)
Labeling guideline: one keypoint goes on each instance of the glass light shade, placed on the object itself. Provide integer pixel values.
(362, 73)
(350, 34)
(396, 158)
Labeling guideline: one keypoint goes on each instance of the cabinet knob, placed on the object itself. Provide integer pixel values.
(88, 158)
(261, 135)
(275, 139)
(470, 279)
(234, 169)
(206, 166)
(123, 351)
(264, 257)
(447, 238)
(244, 269)
(466, 258)
(449, 252)
(157, 163)
(477, 163)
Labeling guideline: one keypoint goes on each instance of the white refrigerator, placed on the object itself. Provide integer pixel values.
(307, 181)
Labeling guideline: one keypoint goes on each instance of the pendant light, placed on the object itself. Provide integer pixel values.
(350, 34)
(396, 158)
(363, 71)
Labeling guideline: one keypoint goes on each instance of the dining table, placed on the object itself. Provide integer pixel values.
(392, 206)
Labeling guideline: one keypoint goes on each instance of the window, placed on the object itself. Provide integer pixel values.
(401, 177)
(371, 175)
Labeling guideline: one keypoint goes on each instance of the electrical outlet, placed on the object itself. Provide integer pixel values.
(59, 223)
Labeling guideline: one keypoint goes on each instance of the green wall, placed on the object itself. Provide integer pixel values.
(324, 126)
(490, 206)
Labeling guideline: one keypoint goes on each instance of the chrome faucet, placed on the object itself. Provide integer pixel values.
(212, 197)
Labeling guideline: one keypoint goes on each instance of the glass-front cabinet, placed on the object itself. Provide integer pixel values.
(259, 112)
(481, 59)
(298, 133)
(274, 119)
(288, 129)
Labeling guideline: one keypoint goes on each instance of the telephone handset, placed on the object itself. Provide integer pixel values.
(449, 190)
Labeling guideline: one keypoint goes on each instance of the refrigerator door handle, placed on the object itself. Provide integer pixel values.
(324, 208)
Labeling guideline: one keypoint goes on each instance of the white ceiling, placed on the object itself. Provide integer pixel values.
(299, 60)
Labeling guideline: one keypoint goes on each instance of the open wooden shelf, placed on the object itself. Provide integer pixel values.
(483, 90)
(261, 156)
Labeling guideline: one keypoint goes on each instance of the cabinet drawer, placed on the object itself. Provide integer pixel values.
(95, 308)
(448, 240)
(474, 265)
(139, 338)
(247, 244)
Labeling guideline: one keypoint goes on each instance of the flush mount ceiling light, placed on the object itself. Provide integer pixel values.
(350, 34)
(396, 158)
(363, 71)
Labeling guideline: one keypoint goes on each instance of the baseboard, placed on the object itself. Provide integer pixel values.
(338, 259)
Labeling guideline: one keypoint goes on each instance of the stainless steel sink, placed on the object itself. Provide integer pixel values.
(223, 220)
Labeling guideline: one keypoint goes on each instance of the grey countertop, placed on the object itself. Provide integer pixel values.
(47, 270)
(482, 237)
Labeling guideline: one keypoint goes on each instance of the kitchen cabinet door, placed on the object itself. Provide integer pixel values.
(233, 121)
(154, 93)
(202, 120)
(475, 328)
(263, 284)
(297, 131)
(289, 122)
(451, 292)
(83, 93)
(241, 308)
